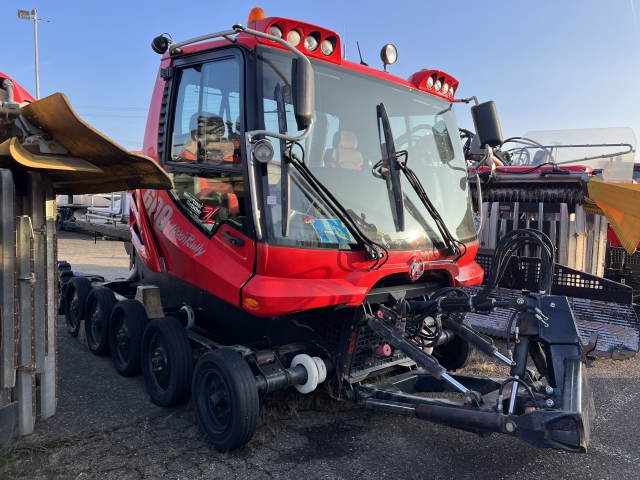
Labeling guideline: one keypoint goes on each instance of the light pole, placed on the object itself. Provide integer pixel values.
(33, 15)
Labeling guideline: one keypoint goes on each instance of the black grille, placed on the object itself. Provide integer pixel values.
(620, 257)
(163, 122)
(364, 357)
(330, 334)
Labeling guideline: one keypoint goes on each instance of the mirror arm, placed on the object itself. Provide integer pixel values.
(288, 138)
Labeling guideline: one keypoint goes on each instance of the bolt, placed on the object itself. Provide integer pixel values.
(549, 403)
(510, 427)
(552, 304)
(548, 389)
(520, 301)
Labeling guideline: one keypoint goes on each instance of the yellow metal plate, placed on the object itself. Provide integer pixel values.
(116, 168)
(620, 202)
(31, 161)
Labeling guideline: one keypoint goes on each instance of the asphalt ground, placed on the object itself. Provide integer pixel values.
(106, 427)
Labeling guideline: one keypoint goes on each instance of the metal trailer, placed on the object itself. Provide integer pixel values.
(28, 300)
(106, 214)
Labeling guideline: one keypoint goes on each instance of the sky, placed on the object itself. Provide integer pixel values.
(548, 64)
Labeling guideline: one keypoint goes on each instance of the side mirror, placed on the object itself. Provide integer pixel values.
(304, 94)
(487, 124)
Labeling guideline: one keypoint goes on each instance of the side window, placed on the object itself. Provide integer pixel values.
(206, 132)
(206, 127)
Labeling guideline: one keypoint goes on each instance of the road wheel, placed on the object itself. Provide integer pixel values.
(455, 354)
(100, 303)
(75, 302)
(225, 399)
(128, 321)
(167, 363)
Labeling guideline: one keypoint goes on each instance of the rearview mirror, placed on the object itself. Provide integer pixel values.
(487, 124)
(304, 94)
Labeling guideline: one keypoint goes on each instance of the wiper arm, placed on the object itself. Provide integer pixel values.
(375, 251)
(394, 174)
(452, 245)
(285, 181)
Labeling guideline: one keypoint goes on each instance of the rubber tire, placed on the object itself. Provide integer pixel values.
(79, 287)
(132, 315)
(180, 361)
(455, 354)
(106, 300)
(242, 397)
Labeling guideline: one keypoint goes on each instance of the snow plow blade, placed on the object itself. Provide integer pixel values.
(93, 163)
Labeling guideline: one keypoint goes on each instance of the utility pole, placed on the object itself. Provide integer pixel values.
(33, 15)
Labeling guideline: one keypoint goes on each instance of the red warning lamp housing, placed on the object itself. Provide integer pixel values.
(313, 41)
(435, 82)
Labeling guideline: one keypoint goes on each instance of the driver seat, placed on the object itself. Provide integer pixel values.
(344, 153)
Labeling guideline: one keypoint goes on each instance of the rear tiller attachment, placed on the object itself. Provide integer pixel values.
(551, 408)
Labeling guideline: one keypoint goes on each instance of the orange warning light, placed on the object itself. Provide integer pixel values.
(255, 15)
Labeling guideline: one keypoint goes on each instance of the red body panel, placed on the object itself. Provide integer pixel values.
(19, 94)
(282, 280)
(289, 280)
(212, 264)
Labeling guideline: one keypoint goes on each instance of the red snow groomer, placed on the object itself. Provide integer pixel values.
(319, 231)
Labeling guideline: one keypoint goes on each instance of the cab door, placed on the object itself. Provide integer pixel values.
(203, 225)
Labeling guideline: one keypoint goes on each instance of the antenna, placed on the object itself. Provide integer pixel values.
(344, 31)
(362, 62)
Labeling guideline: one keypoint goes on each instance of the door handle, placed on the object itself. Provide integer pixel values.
(236, 241)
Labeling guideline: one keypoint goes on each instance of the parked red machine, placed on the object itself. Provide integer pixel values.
(318, 232)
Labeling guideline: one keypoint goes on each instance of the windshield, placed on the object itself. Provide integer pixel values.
(344, 145)
(613, 149)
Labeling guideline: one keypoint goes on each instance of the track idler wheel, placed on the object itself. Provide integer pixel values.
(225, 399)
(167, 362)
(75, 302)
(100, 303)
(128, 321)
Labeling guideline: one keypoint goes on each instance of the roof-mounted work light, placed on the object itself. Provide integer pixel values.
(388, 55)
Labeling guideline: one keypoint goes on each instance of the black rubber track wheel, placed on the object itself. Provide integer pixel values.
(455, 354)
(225, 399)
(75, 302)
(128, 321)
(167, 362)
(100, 304)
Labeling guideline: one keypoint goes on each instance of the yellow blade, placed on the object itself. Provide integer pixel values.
(620, 202)
(117, 168)
(49, 162)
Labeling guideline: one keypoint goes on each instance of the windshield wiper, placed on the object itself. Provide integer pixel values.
(285, 181)
(374, 250)
(393, 179)
(452, 245)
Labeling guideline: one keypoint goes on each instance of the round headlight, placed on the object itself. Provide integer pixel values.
(445, 88)
(451, 93)
(389, 54)
(275, 31)
(293, 38)
(429, 82)
(310, 43)
(327, 47)
(263, 150)
(438, 85)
